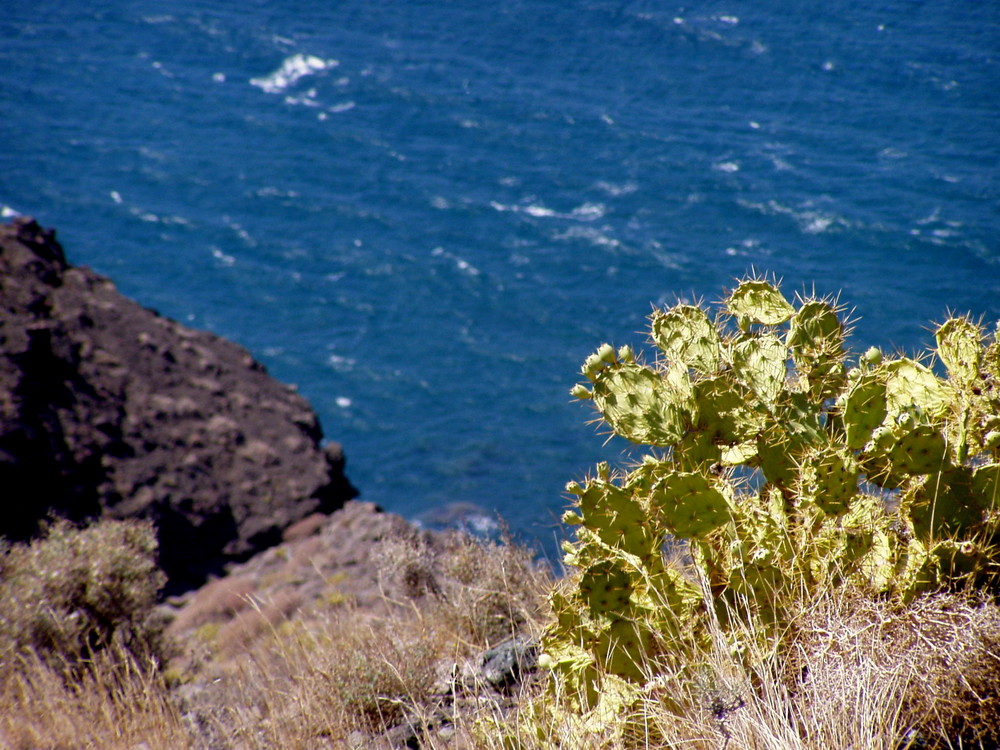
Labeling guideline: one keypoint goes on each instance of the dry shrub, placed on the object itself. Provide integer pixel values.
(75, 592)
(490, 590)
(939, 657)
(117, 704)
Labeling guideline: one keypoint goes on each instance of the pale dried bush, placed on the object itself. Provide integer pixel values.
(491, 590)
(77, 591)
(939, 657)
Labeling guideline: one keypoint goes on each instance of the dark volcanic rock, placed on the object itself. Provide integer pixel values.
(109, 410)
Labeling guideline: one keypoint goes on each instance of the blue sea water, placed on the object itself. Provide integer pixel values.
(427, 214)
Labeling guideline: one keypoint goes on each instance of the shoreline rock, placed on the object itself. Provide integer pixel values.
(109, 410)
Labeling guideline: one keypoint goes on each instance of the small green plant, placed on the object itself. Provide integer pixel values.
(784, 471)
(76, 592)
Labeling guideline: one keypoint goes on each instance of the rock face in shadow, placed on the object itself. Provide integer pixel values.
(108, 409)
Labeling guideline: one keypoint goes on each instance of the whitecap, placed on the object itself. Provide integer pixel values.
(780, 164)
(115, 196)
(589, 211)
(726, 166)
(341, 363)
(810, 221)
(343, 402)
(308, 99)
(731, 20)
(223, 258)
(6, 212)
(539, 211)
(817, 224)
(616, 189)
(342, 107)
(293, 69)
(460, 263)
(594, 236)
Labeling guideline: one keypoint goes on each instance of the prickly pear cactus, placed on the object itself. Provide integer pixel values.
(782, 470)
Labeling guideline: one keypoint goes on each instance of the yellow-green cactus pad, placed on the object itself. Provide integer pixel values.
(755, 301)
(863, 410)
(691, 505)
(912, 387)
(639, 405)
(922, 450)
(960, 346)
(829, 478)
(685, 334)
(625, 647)
(760, 364)
(606, 587)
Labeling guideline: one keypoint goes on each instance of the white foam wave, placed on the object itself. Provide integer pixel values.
(308, 99)
(341, 363)
(223, 258)
(460, 263)
(293, 69)
(6, 212)
(594, 236)
(583, 212)
(588, 211)
(539, 211)
(810, 220)
(726, 166)
(615, 189)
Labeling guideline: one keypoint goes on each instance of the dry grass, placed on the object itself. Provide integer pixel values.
(342, 677)
(855, 673)
(115, 705)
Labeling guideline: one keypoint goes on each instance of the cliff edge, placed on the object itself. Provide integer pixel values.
(108, 409)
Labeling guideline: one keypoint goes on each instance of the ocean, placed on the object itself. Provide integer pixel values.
(427, 214)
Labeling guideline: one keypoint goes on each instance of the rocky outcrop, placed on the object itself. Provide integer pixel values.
(108, 409)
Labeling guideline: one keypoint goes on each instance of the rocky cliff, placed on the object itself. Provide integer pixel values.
(108, 409)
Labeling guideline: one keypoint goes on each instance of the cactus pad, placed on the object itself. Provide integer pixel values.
(615, 515)
(960, 346)
(725, 410)
(685, 334)
(816, 329)
(862, 410)
(691, 505)
(816, 340)
(624, 646)
(606, 587)
(759, 363)
(639, 405)
(829, 478)
(921, 450)
(945, 504)
(756, 301)
(912, 387)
